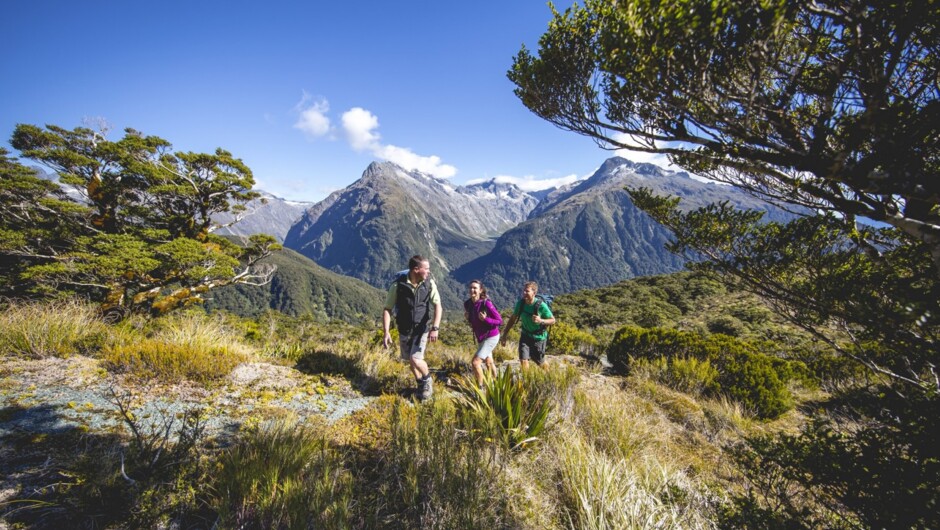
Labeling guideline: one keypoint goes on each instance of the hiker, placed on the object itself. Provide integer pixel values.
(535, 316)
(484, 320)
(411, 296)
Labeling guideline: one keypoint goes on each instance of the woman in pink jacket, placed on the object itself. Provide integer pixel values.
(485, 320)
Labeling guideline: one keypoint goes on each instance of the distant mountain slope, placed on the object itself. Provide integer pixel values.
(301, 287)
(370, 229)
(590, 234)
(272, 215)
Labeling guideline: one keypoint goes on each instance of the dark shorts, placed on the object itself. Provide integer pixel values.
(531, 349)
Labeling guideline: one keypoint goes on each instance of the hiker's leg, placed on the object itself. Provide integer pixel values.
(491, 366)
(484, 355)
(537, 352)
(415, 347)
(525, 351)
(477, 365)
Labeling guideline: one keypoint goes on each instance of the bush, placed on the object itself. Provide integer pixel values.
(565, 339)
(750, 379)
(883, 471)
(742, 373)
(726, 325)
(642, 343)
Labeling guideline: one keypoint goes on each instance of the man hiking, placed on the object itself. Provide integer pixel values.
(410, 298)
(535, 316)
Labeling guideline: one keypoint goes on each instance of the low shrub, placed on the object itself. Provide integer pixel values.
(718, 364)
(566, 339)
(649, 343)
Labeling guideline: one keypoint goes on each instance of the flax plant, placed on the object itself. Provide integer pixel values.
(506, 408)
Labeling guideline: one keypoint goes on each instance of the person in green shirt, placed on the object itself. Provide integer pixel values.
(535, 316)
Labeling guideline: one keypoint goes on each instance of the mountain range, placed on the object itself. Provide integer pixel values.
(584, 235)
(369, 229)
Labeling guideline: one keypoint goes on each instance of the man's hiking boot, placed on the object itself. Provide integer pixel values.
(425, 387)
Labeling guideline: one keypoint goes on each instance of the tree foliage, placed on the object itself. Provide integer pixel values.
(135, 232)
(826, 104)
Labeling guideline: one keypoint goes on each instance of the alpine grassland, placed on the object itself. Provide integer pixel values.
(624, 427)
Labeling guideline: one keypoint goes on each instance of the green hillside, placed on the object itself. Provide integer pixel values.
(301, 287)
(689, 301)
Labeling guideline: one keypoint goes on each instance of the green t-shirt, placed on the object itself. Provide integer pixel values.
(526, 311)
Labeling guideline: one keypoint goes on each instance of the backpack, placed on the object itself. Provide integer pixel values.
(546, 299)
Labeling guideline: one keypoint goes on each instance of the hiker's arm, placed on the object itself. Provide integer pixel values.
(508, 328)
(543, 321)
(438, 312)
(544, 317)
(493, 317)
(390, 300)
(386, 324)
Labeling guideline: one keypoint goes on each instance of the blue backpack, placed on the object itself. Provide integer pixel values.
(546, 299)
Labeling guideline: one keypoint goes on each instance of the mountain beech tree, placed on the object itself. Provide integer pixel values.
(830, 105)
(827, 107)
(135, 231)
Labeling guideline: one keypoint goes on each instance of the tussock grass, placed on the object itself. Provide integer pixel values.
(187, 345)
(51, 329)
(283, 475)
(616, 425)
(198, 330)
(437, 477)
(170, 362)
(688, 375)
(601, 492)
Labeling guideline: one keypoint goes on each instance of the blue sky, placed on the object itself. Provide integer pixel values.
(306, 93)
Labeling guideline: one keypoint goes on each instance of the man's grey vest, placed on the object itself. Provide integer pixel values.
(412, 307)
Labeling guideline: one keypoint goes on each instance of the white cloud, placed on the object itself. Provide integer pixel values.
(361, 132)
(313, 120)
(640, 156)
(531, 183)
(359, 125)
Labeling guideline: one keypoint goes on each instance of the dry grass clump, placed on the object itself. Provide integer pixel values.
(186, 345)
(605, 492)
(152, 358)
(51, 329)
